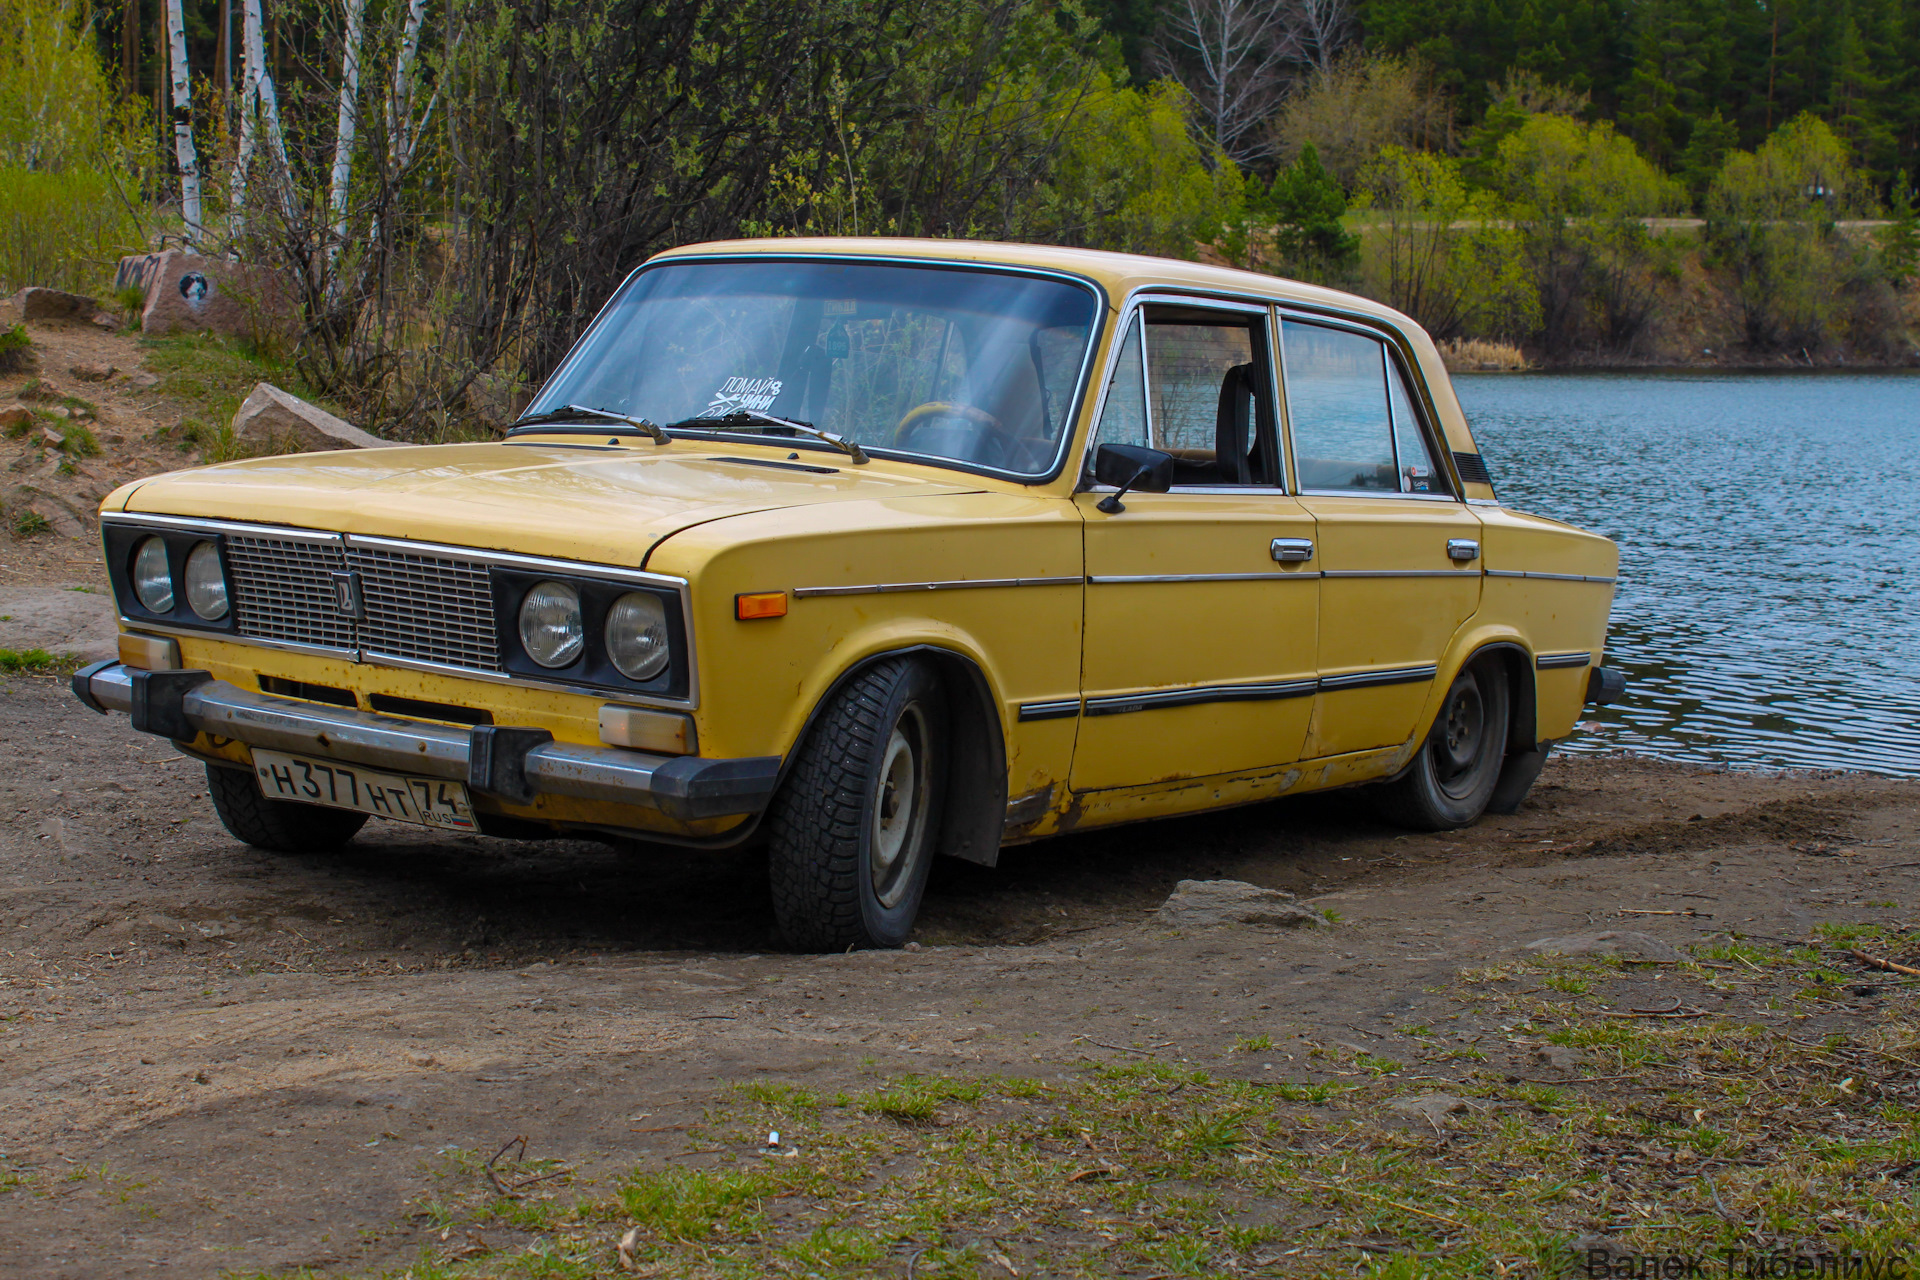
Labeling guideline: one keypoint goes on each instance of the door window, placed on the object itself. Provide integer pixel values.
(1354, 426)
(1189, 383)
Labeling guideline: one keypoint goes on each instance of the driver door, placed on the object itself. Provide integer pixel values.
(1199, 639)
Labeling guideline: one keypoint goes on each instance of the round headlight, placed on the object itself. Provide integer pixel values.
(637, 635)
(550, 626)
(206, 584)
(153, 577)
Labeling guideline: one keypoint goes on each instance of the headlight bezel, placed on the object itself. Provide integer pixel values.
(122, 542)
(594, 666)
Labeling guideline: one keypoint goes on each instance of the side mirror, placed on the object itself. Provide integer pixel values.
(1127, 467)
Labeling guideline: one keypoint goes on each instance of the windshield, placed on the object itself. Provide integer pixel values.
(968, 366)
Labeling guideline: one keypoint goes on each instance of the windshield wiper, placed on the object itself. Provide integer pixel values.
(738, 416)
(570, 411)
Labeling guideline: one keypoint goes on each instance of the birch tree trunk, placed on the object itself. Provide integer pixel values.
(347, 126)
(183, 149)
(260, 83)
(400, 125)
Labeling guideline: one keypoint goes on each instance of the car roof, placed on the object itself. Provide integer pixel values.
(1118, 273)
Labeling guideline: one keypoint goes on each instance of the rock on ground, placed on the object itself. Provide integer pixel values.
(93, 371)
(53, 304)
(1201, 903)
(1613, 942)
(272, 418)
(1432, 1106)
(188, 292)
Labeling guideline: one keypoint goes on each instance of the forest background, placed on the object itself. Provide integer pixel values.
(455, 186)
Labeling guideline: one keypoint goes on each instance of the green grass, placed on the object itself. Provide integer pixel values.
(216, 374)
(1717, 1130)
(26, 523)
(37, 662)
(15, 348)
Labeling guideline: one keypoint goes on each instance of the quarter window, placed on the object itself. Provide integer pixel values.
(1354, 426)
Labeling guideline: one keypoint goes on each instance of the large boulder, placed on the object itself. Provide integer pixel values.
(52, 304)
(188, 292)
(272, 419)
(1201, 903)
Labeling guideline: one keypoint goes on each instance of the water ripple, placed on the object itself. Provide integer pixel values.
(1769, 531)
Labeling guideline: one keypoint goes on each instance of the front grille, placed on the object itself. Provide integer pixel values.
(283, 589)
(413, 605)
(426, 608)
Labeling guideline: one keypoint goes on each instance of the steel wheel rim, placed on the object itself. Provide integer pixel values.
(1459, 738)
(899, 811)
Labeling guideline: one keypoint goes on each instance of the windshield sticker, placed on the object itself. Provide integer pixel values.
(755, 395)
(840, 307)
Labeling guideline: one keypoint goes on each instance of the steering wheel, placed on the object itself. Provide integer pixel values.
(918, 416)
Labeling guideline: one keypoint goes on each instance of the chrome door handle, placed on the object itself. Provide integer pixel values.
(1288, 550)
(1462, 549)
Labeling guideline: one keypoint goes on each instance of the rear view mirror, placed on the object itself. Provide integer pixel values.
(1127, 467)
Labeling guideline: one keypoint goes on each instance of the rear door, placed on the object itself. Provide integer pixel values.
(1398, 550)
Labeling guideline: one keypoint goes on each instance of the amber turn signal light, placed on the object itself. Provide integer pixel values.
(760, 604)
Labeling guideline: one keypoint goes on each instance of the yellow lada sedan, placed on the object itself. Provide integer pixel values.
(874, 550)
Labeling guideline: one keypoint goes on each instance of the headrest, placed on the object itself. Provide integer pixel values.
(1233, 425)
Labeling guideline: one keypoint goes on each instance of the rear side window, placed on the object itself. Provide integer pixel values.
(1354, 426)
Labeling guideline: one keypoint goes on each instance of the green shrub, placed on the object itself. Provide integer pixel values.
(15, 348)
(62, 230)
(28, 523)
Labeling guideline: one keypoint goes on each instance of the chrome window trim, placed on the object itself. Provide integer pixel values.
(1392, 344)
(1557, 661)
(1550, 577)
(1101, 306)
(1400, 573)
(1124, 578)
(954, 584)
(504, 559)
(1378, 493)
(1144, 295)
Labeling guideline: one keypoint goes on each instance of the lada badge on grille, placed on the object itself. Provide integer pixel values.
(346, 595)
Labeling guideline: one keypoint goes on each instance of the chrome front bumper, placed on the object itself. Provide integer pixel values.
(515, 764)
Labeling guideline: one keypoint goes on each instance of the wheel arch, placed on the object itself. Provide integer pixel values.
(974, 814)
(1516, 659)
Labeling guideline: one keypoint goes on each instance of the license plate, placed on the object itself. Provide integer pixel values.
(430, 802)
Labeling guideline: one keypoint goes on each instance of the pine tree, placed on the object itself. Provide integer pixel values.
(1900, 241)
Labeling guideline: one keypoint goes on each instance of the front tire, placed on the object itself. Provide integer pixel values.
(1453, 777)
(854, 827)
(278, 826)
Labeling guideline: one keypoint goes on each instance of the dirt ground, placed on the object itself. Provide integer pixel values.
(217, 1059)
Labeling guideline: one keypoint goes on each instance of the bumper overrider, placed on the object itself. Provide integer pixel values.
(514, 764)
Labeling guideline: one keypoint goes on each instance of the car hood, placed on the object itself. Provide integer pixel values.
(609, 505)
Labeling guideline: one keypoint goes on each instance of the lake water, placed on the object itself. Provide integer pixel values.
(1769, 531)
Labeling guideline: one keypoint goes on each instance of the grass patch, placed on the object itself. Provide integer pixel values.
(37, 662)
(16, 348)
(26, 523)
(1754, 1134)
(216, 374)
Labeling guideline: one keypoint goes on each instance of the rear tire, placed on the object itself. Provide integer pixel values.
(278, 826)
(1454, 774)
(853, 828)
